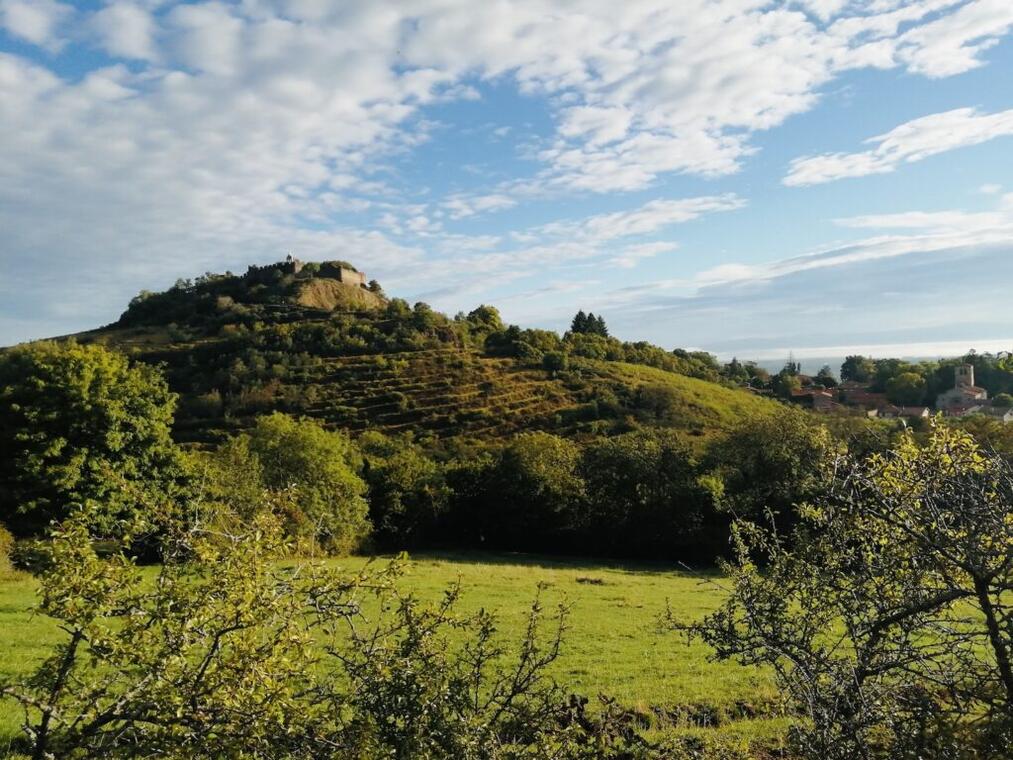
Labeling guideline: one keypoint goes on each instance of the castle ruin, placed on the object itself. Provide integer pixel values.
(331, 270)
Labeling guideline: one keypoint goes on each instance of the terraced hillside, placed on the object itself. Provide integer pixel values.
(233, 350)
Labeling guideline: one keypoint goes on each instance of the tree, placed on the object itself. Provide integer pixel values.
(771, 462)
(407, 491)
(320, 467)
(374, 287)
(532, 492)
(857, 368)
(888, 619)
(588, 324)
(785, 383)
(735, 371)
(579, 324)
(906, 389)
(825, 377)
(83, 430)
(486, 319)
(659, 400)
(646, 497)
(554, 361)
(1003, 400)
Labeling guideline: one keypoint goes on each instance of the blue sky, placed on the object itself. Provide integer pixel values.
(749, 177)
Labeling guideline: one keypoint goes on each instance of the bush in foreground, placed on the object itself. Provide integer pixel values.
(230, 652)
(888, 618)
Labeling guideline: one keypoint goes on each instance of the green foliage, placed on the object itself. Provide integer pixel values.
(588, 324)
(888, 618)
(555, 362)
(231, 654)
(659, 400)
(320, 467)
(83, 430)
(407, 490)
(907, 389)
(858, 369)
(645, 496)
(771, 462)
(211, 660)
(524, 497)
(785, 383)
(825, 377)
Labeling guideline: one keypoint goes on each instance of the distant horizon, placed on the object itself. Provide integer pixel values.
(908, 352)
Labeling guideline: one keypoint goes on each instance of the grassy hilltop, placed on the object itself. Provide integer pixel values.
(305, 343)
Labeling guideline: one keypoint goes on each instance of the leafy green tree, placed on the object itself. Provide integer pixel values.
(887, 617)
(771, 462)
(83, 430)
(646, 497)
(229, 484)
(407, 489)
(825, 377)
(486, 318)
(1003, 400)
(785, 383)
(907, 389)
(207, 661)
(321, 467)
(736, 371)
(659, 400)
(528, 495)
(858, 368)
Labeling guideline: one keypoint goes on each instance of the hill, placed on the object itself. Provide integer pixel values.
(299, 338)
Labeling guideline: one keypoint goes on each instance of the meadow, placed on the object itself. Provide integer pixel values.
(615, 645)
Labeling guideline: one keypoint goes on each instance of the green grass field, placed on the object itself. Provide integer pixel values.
(614, 646)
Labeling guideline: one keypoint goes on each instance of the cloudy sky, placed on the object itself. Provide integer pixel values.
(745, 176)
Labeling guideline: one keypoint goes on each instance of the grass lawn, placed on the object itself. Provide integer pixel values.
(613, 646)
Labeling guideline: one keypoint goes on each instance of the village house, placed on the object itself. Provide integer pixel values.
(817, 399)
(890, 412)
(963, 395)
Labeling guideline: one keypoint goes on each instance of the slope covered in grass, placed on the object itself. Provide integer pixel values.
(234, 347)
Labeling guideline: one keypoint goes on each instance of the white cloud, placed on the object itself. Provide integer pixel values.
(647, 219)
(126, 30)
(632, 255)
(36, 21)
(461, 207)
(953, 44)
(912, 141)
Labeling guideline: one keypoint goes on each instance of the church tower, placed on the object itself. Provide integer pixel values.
(964, 376)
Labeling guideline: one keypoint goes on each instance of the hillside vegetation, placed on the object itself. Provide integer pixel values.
(235, 347)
